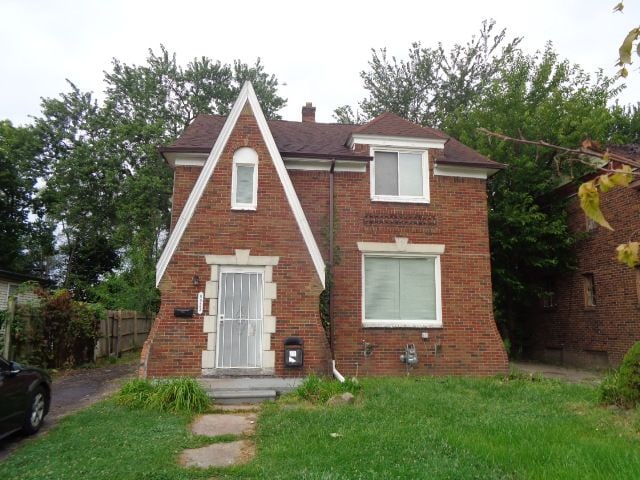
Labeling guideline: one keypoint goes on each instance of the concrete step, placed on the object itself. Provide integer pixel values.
(279, 384)
(240, 397)
(243, 390)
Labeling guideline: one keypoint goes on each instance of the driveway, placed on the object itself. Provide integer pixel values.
(73, 391)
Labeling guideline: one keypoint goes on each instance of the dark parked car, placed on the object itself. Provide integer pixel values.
(25, 395)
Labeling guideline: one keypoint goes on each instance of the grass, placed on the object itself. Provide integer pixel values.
(436, 428)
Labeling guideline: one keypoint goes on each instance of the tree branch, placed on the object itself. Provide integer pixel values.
(604, 155)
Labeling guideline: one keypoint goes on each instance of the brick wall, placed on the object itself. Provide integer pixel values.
(176, 345)
(468, 343)
(573, 333)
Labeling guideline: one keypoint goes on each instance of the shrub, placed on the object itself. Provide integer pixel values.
(629, 377)
(320, 389)
(135, 393)
(608, 390)
(176, 395)
(622, 386)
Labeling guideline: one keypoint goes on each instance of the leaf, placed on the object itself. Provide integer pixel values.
(590, 203)
(628, 253)
(619, 7)
(605, 183)
(623, 72)
(626, 47)
(623, 176)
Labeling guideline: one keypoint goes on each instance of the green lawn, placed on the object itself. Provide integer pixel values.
(400, 428)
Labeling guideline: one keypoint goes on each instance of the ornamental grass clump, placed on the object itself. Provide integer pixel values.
(317, 389)
(176, 395)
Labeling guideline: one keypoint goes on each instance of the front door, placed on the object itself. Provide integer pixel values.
(240, 318)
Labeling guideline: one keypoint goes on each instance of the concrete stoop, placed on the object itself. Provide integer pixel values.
(247, 390)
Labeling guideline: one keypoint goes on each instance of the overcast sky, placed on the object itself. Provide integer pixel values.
(316, 48)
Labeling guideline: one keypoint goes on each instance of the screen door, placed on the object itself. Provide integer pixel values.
(240, 319)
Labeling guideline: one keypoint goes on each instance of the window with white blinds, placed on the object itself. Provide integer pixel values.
(402, 291)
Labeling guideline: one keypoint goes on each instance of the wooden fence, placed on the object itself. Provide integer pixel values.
(121, 331)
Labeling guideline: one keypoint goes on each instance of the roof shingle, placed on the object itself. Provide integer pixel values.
(329, 140)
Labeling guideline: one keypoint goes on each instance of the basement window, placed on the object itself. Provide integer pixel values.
(244, 181)
(400, 176)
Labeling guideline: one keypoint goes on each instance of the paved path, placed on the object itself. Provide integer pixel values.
(573, 375)
(73, 391)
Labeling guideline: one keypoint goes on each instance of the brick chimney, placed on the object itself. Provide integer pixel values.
(309, 113)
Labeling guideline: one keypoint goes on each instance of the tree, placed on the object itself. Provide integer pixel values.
(107, 186)
(433, 83)
(489, 82)
(24, 235)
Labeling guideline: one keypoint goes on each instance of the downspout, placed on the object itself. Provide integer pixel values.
(336, 373)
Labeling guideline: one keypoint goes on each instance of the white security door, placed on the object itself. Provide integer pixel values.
(240, 319)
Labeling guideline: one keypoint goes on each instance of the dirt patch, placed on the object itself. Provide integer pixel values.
(571, 375)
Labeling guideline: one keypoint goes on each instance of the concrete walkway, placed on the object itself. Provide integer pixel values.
(568, 374)
(223, 454)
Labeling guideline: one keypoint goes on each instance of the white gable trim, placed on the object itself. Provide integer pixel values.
(463, 171)
(395, 141)
(247, 94)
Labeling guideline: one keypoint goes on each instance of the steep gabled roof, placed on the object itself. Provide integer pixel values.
(329, 140)
(247, 97)
(293, 139)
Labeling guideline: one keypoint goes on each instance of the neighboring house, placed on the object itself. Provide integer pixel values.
(10, 283)
(261, 208)
(591, 316)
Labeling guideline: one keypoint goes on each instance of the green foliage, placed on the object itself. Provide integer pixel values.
(622, 386)
(176, 395)
(135, 393)
(629, 376)
(26, 242)
(317, 389)
(438, 428)
(608, 390)
(56, 331)
(490, 82)
(106, 186)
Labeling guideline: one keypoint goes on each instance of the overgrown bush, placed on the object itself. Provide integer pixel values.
(622, 386)
(608, 390)
(176, 395)
(317, 389)
(56, 331)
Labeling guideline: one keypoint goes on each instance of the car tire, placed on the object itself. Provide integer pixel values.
(36, 411)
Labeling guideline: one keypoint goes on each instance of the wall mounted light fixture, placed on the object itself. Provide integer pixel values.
(195, 280)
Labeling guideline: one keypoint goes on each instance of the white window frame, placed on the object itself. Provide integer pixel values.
(425, 198)
(396, 323)
(244, 157)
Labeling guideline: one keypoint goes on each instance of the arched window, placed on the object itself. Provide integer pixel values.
(244, 181)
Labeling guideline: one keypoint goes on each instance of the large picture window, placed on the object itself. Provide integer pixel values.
(244, 182)
(400, 176)
(402, 291)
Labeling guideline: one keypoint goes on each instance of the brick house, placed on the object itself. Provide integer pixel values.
(262, 208)
(591, 316)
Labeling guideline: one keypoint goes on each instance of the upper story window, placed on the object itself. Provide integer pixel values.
(244, 181)
(400, 176)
